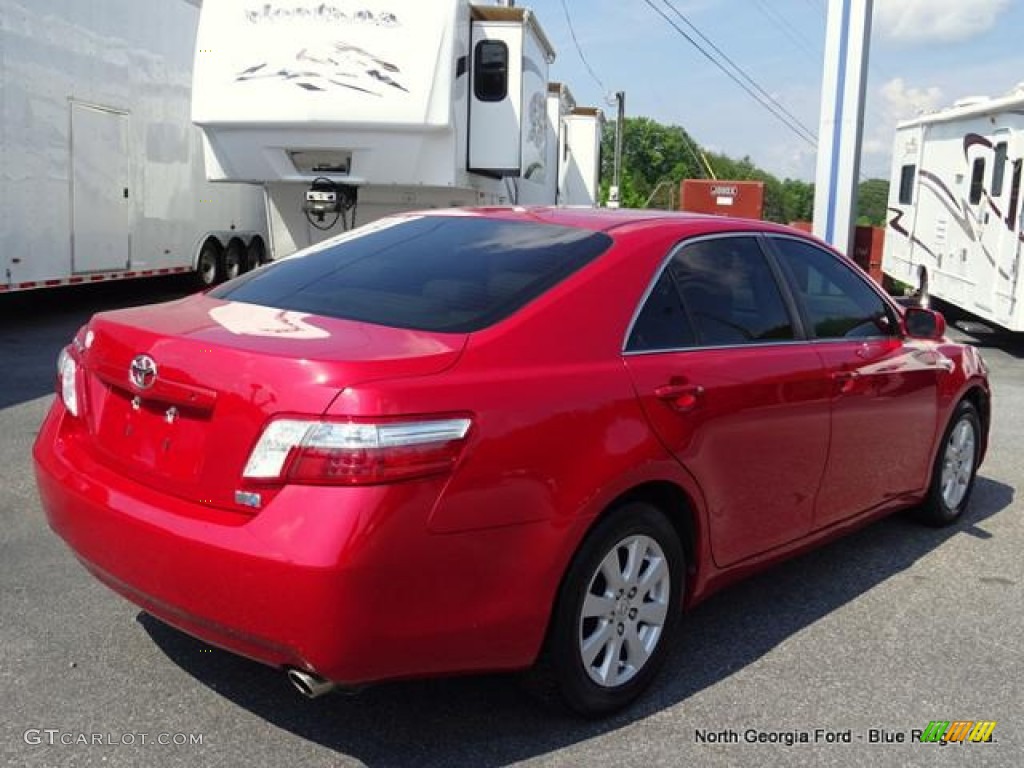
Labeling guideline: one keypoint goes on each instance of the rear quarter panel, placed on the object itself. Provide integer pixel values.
(558, 433)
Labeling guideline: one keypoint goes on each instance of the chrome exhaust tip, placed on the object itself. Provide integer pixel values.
(309, 685)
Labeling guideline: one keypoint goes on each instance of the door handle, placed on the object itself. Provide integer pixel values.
(681, 397)
(846, 381)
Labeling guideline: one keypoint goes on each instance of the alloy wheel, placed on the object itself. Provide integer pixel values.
(624, 611)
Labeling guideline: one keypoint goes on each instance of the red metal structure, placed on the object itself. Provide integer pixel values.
(868, 244)
(741, 199)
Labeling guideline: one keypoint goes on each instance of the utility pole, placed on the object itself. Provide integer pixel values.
(847, 41)
(613, 193)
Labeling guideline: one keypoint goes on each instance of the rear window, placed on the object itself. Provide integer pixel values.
(452, 274)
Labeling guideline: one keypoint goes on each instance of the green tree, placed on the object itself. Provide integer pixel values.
(652, 153)
(872, 202)
(797, 200)
(656, 158)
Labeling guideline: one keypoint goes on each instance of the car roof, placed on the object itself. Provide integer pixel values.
(605, 219)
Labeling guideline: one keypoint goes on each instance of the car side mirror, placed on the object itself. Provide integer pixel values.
(921, 323)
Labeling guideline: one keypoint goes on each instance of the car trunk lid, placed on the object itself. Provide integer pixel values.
(178, 394)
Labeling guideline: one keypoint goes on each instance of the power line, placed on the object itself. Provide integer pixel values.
(775, 17)
(579, 50)
(818, 5)
(765, 100)
(740, 71)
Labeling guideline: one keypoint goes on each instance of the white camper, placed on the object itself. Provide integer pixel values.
(350, 110)
(954, 228)
(101, 173)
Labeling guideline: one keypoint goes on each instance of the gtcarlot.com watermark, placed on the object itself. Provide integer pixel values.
(55, 737)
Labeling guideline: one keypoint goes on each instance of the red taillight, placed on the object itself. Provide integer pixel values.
(355, 452)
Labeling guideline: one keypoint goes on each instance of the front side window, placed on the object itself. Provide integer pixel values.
(838, 302)
(490, 70)
(730, 292)
(453, 274)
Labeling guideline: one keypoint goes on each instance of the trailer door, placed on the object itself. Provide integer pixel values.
(101, 202)
(1010, 255)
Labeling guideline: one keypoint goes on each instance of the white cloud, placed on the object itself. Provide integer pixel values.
(928, 21)
(895, 101)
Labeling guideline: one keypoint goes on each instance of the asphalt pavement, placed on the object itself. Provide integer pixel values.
(853, 647)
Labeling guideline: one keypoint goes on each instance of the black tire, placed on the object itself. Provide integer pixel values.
(954, 469)
(562, 667)
(234, 260)
(922, 296)
(208, 267)
(256, 253)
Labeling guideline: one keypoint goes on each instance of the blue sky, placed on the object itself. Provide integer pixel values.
(925, 54)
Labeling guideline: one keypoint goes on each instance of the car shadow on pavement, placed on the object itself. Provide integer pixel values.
(1011, 344)
(492, 721)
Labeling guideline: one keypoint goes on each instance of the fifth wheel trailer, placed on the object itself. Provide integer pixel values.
(351, 110)
(955, 207)
(101, 170)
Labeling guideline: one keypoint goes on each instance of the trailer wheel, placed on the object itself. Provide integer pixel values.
(208, 265)
(256, 253)
(923, 297)
(234, 260)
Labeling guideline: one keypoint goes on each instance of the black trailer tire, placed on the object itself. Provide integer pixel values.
(235, 259)
(208, 265)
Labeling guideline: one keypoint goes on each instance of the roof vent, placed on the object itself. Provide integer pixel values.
(970, 101)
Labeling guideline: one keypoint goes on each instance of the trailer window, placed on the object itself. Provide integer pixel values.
(999, 169)
(977, 180)
(490, 70)
(908, 175)
(1011, 217)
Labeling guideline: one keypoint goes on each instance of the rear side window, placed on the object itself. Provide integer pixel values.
(730, 292)
(838, 302)
(662, 323)
(452, 274)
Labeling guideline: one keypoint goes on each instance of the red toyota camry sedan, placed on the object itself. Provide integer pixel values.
(499, 439)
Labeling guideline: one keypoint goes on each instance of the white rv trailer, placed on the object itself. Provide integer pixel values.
(955, 207)
(101, 173)
(350, 110)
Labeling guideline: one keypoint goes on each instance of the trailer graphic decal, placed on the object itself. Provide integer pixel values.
(960, 213)
(340, 65)
(956, 208)
(323, 12)
(896, 225)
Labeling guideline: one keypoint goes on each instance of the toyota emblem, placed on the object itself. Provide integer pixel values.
(142, 371)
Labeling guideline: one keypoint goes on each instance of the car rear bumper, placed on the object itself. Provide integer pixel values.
(343, 582)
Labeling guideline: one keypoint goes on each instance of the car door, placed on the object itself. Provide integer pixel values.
(884, 387)
(732, 392)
